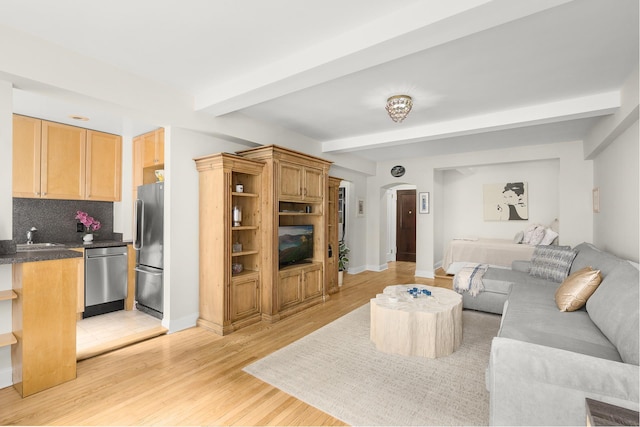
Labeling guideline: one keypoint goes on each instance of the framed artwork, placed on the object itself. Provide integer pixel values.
(424, 203)
(506, 201)
(596, 200)
(360, 207)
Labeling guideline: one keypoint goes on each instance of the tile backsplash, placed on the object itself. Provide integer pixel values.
(55, 219)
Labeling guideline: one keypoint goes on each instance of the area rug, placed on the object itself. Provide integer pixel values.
(338, 370)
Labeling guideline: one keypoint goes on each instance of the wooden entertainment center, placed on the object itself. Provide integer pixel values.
(241, 280)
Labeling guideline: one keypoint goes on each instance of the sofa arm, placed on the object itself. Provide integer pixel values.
(521, 265)
(531, 384)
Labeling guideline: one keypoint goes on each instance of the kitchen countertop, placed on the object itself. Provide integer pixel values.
(58, 253)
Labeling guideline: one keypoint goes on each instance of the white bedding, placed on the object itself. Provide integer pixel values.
(498, 252)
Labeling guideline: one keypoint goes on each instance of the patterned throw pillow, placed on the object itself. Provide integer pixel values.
(552, 262)
(577, 288)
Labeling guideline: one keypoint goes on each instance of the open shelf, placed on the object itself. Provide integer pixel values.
(7, 295)
(7, 339)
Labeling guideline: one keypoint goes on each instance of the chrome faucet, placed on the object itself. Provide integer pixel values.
(30, 235)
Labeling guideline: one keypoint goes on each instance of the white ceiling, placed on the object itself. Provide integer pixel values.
(483, 74)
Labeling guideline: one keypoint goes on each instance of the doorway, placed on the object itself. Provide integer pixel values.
(406, 225)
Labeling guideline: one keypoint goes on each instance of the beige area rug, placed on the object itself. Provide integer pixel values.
(338, 370)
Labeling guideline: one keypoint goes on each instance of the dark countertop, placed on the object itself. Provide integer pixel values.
(58, 253)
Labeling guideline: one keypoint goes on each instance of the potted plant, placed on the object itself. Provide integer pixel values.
(343, 260)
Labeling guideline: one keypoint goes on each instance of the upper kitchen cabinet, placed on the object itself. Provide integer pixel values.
(27, 137)
(104, 166)
(153, 146)
(57, 161)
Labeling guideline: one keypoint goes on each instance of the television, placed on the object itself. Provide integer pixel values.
(295, 244)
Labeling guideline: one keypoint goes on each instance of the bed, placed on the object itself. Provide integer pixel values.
(496, 252)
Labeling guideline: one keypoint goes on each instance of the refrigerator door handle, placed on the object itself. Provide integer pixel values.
(138, 229)
(147, 272)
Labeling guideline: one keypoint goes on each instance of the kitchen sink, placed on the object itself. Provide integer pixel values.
(38, 246)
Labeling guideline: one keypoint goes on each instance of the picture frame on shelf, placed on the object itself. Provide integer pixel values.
(424, 203)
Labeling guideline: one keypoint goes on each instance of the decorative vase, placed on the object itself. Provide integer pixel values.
(87, 238)
(340, 277)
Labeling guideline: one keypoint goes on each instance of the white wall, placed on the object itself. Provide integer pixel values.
(6, 219)
(181, 275)
(616, 175)
(462, 198)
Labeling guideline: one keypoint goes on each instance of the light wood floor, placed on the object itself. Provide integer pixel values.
(194, 377)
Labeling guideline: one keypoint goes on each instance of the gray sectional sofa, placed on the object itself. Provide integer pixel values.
(545, 362)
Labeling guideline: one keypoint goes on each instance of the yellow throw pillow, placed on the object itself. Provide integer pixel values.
(576, 289)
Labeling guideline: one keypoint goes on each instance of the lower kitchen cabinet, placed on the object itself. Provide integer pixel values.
(44, 324)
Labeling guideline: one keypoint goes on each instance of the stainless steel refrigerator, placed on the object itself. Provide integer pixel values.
(148, 243)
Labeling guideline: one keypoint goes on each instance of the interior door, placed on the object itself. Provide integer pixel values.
(406, 226)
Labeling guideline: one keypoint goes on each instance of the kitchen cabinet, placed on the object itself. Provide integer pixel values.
(104, 166)
(230, 247)
(57, 161)
(44, 324)
(153, 148)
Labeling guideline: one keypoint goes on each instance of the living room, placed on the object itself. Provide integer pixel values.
(582, 140)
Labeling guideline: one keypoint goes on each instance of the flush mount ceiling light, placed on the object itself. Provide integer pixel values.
(398, 106)
(78, 117)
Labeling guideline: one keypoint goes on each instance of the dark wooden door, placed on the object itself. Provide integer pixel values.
(406, 226)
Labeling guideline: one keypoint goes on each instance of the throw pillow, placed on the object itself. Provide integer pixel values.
(537, 235)
(518, 237)
(549, 237)
(576, 289)
(528, 232)
(552, 262)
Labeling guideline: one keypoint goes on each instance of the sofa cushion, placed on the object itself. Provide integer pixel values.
(531, 315)
(614, 308)
(552, 262)
(576, 289)
(511, 276)
(590, 256)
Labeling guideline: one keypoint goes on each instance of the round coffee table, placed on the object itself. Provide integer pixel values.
(427, 326)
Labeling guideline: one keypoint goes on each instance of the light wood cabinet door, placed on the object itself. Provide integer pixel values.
(312, 280)
(313, 185)
(244, 298)
(153, 148)
(26, 156)
(63, 161)
(290, 288)
(291, 177)
(104, 166)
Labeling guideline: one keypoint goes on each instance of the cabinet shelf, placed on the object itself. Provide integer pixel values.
(233, 254)
(243, 194)
(299, 214)
(7, 339)
(244, 227)
(243, 274)
(7, 295)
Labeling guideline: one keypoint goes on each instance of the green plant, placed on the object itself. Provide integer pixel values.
(343, 260)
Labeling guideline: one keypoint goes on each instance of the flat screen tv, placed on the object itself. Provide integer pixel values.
(295, 244)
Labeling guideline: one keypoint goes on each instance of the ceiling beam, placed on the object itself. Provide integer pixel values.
(419, 26)
(569, 109)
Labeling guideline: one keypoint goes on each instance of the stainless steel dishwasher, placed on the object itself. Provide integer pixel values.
(105, 280)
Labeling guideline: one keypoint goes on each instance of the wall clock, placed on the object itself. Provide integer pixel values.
(397, 171)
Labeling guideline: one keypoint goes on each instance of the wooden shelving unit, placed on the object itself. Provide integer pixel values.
(229, 299)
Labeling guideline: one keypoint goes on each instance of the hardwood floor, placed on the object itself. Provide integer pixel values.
(195, 377)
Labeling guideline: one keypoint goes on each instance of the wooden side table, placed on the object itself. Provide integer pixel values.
(424, 326)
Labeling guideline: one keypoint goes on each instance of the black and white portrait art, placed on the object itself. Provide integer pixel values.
(506, 201)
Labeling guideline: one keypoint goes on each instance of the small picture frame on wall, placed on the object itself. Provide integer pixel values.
(424, 203)
(360, 207)
(596, 200)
